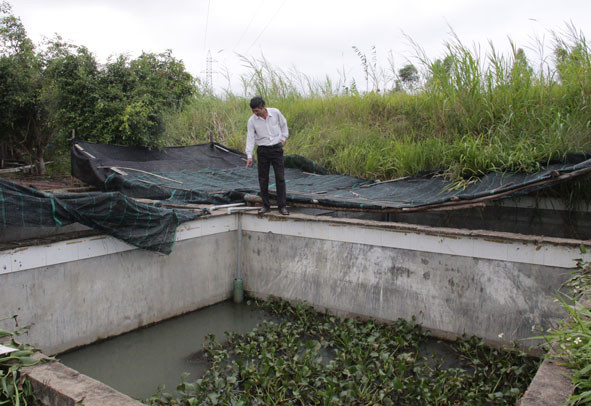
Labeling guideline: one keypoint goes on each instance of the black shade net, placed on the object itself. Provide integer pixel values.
(142, 225)
(214, 174)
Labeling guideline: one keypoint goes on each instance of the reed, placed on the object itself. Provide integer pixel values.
(472, 113)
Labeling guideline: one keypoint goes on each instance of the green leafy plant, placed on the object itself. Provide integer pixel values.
(310, 358)
(56, 90)
(571, 340)
(15, 389)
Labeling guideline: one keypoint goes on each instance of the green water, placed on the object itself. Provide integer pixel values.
(137, 362)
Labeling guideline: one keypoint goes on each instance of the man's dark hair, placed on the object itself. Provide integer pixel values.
(257, 102)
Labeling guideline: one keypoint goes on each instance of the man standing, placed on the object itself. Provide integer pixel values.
(267, 128)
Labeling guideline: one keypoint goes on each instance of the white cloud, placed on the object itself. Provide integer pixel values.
(315, 36)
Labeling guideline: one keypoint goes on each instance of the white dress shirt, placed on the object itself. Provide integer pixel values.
(271, 131)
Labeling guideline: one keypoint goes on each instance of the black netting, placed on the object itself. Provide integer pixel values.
(224, 179)
(214, 174)
(145, 226)
(91, 162)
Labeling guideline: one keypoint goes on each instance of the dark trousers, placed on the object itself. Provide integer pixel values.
(267, 156)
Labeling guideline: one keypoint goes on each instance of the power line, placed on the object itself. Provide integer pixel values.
(206, 25)
(267, 26)
(249, 24)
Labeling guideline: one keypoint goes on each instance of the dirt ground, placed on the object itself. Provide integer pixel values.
(45, 182)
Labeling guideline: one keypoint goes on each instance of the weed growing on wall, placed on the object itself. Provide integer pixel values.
(311, 358)
(571, 340)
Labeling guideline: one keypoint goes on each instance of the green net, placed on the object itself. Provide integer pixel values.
(142, 225)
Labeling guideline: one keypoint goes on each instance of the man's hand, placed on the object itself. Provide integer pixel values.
(249, 162)
(282, 142)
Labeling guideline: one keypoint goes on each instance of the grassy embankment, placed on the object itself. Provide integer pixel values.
(468, 114)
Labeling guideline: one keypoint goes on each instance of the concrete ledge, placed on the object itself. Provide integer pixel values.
(55, 384)
(495, 245)
(551, 386)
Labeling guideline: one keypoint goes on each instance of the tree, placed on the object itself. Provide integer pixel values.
(46, 94)
(409, 77)
(521, 72)
(573, 64)
(71, 90)
(23, 117)
(126, 100)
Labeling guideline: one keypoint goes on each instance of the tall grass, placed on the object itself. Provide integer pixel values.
(472, 113)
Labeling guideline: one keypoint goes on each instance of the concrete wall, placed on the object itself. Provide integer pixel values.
(484, 284)
(458, 281)
(71, 302)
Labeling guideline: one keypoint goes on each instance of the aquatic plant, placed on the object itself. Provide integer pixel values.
(15, 389)
(312, 358)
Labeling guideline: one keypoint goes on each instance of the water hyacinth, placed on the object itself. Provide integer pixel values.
(14, 388)
(309, 358)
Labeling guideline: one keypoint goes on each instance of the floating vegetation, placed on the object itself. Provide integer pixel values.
(310, 358)
(15, 389)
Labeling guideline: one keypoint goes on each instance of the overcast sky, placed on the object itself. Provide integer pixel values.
(313, 36)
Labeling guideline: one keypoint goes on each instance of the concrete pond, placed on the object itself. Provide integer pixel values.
(74, 291)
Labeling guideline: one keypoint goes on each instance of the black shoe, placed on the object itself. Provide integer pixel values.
(283, 210)
(264, 210)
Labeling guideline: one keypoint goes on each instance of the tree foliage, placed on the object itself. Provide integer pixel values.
(49, 92)
(23, 117)
(130, 98)
(409, 74)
